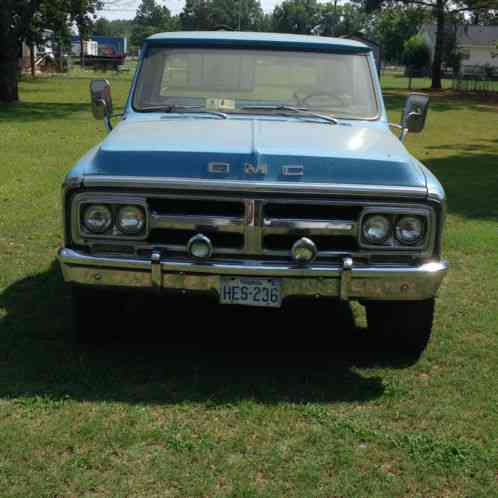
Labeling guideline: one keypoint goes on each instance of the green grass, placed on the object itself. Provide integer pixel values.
(156, 420)
(392, 79)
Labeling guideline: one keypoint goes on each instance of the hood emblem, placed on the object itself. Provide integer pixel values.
(293, 170)
(220, 168)
(251, 169)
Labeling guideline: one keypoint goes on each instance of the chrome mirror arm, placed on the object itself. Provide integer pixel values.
(403, 131)
(108, 120)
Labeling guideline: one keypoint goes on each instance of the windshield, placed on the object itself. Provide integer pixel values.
(255, 81)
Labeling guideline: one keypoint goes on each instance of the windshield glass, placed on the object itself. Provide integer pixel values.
(234, 80)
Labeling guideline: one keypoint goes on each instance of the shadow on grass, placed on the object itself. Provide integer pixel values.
(27, 112)
(184, 350)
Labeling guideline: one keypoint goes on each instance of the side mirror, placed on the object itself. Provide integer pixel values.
(100, 94)
(415, 113)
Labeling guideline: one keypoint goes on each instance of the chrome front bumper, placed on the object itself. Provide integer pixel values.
(345, 281)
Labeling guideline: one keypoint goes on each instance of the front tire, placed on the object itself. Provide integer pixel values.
(401, 326)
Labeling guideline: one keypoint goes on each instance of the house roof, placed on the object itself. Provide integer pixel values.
(469, 34)
(257, 40)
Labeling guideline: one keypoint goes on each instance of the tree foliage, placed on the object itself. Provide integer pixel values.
(296, 16)
(342, 20)
(150, 18)
(441, 12)
(393, 26)
(27, 21)
(246, 15)
(116, 27)
(416, 54)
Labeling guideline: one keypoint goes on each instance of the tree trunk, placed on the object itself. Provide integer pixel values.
(438, 49)
(9, 54)
(32, 61)
(82, 51)
(8, 80)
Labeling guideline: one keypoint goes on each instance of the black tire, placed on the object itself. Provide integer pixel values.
(96, 315)
(401, 326)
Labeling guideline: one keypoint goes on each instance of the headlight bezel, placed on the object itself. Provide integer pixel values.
(118, 220)
(84, 218)
(82, 201)
(388, 233)
(406, 242)
(394, 214)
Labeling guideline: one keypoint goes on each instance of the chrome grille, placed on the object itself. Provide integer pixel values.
(332, 227)
(174, 220)
(245, 228)
(253, 227)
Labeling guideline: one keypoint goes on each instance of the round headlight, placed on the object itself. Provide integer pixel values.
(97, 218)
(130, 220)
(304, 251)
(376, 229)
(410, 229)
(200, 247)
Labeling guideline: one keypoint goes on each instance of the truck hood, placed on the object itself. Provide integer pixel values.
(184, 146)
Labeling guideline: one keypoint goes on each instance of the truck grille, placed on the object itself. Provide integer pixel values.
(253, 227)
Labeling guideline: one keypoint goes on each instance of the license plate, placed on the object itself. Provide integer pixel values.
(251, 291)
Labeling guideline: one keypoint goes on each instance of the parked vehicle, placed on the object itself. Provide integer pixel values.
(106, 52)
(257, 167)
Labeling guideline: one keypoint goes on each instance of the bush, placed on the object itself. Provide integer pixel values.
(416, 55)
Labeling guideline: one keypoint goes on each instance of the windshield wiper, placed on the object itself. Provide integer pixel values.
(185, 109)
(298, 110)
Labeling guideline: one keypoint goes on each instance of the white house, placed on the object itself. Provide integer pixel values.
(477, 44)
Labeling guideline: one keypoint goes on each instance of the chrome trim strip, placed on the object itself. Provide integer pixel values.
(253, 236)
(314, 227)
(269, 187)
(156, 273)
(196, 222)
(346, 278)
(69, 183)
(249, 267)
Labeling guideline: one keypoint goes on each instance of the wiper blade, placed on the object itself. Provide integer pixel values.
(298, 110)
(185, 109)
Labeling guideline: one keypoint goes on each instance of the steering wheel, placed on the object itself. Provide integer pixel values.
(319, 93)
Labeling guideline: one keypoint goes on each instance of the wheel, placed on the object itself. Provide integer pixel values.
(96, 314)
(401, 326)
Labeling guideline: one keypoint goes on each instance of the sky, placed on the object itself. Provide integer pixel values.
(125, 9)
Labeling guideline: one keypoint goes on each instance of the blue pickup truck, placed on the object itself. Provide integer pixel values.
(257, 167)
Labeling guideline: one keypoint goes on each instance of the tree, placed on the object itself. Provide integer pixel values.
(242, 15)
(116, 27)
(83, 13)
(150, 18)
(441, 10)
(341, 20)
(26, 20)
(416, 57)
(393, 26)
(15, 21)
(296, 16)
(102, 27)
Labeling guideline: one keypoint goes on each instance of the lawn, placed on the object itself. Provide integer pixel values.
(149, 419)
